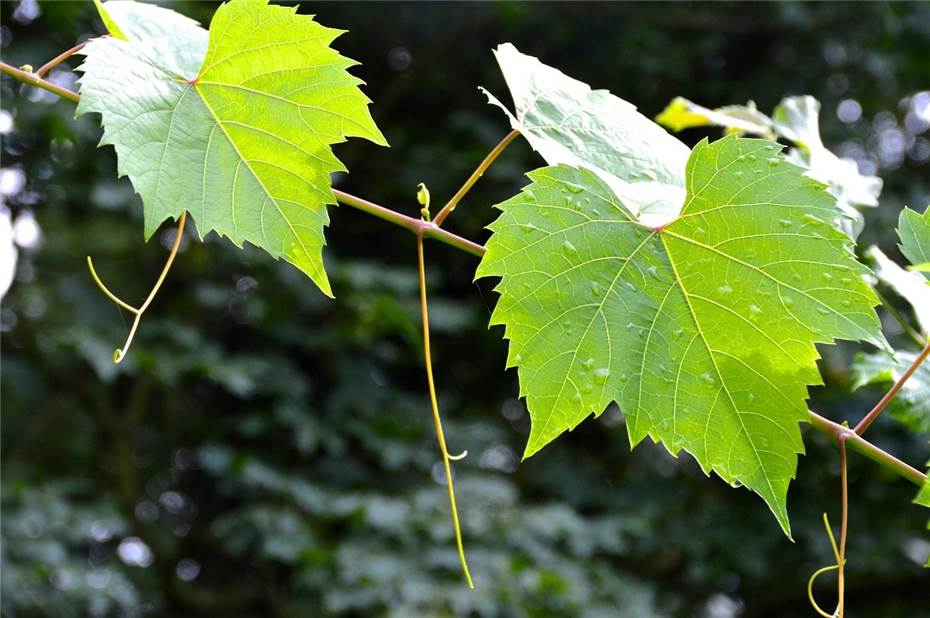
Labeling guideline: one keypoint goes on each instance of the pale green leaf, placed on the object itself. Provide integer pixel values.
(239, 136)
(911, 286)
(911, 406)
(567, 122)
(682, 114)
(703, 330)
(797, 119)
(914, 232)
(177, 42)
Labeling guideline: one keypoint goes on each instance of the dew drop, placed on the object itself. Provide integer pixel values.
(574, 188)
(784, 222)
(724, 289)
(629, 285)
(826, 277)
(526, 228)
(846, 302)
(601, 374)
(751, 157)
(595, 212)
(588, 364)
(823, 311)
(652, 270)
(699, 231)
(789, 302)
(677, 333)
(755, 310)
(708, 379)
(569, 248)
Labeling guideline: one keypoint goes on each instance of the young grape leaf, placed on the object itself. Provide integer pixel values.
(235, 127)
(682, 114)
(795, 119)
(914, 232)
(702, 330)
(567, 122)
(911, 286)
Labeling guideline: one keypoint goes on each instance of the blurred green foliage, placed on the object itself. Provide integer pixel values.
(266, 452)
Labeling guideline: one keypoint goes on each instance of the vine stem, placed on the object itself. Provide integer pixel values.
(884, 401)
(34, 80)
(862, 446)
(440, 438)
(425, 229)
(478, 173)
(120, 353)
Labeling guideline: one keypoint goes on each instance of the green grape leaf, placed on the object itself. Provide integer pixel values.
(235, 126)
(914, 232)
(567, 122)
(911, 286)
(702, 330)
(911, 406)
(682, 114)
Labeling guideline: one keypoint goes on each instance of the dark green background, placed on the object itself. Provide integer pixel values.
(279, 445)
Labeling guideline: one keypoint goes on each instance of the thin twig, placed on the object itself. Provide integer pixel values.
(436, 418)
(884, 401)
(479, 171)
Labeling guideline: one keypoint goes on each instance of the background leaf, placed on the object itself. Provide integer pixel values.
(914, 232)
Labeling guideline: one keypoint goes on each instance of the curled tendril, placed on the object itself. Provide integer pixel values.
(120, 353)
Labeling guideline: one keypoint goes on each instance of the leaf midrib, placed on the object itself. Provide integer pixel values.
(245, 162)
(710, 352)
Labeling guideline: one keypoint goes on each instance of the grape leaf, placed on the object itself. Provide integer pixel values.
(682, 114)
(909, 285)
(567, 122)
(702, 330)
(179, 41)
(914, 232)
(234, 126)
(911, 406)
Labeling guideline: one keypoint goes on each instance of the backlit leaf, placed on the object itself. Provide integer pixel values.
(702, 330)
(234, 127)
